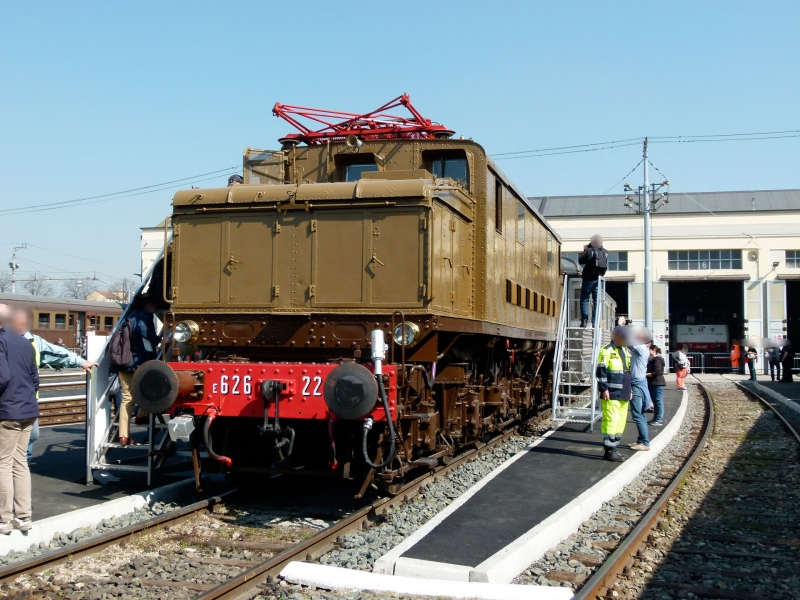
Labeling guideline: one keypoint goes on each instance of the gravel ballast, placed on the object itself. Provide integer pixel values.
(609, 524)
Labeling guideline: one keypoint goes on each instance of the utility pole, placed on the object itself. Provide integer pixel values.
(14, 266)
(645, 205)
(648, 275)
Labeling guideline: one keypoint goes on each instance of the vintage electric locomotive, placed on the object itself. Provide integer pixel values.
(374, 235)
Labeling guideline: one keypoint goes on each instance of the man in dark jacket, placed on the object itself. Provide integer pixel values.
(595, 263)
(144, 346)
(19, 381)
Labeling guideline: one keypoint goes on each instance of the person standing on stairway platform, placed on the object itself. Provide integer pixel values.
(614, 384)
(595, 263)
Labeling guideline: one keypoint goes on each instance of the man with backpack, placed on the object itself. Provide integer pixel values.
(595, 262)
(133, 344)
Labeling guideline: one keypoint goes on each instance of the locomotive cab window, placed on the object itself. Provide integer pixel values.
(352, 166)
(44, 320)
(353, 172)
(61, 321)
(108, 323)
(451, 164)
(520, 222)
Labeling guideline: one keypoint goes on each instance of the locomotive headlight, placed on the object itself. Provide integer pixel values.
(186, 332)
(406, 334)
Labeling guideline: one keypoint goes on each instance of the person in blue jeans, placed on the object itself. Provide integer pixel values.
(640, 353)
(656, 384)
(595, 262)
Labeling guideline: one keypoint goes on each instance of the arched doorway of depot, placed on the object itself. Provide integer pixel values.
(793, 311)
(618, 290)
(704, 299)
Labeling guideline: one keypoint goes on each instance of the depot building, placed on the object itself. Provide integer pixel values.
(725, 265)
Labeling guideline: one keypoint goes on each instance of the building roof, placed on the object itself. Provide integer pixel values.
(48, 302)
(109, 296)
(679, 202)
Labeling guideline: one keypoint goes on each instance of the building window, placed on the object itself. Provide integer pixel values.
(108, 323)
(61, 321)
(44, 320)
(618, 261)
(353, 172)
(793, 259)
(550, 248)
(706, 260)
(498, 206)
(520, 222)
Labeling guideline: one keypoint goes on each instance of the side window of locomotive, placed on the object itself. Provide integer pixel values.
(353, 171)
(520, 222)
(61, 321)
(498, 206)
(450, 165)
(44, 320)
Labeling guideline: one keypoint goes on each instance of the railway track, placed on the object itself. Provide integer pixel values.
(727, 521)
(257, 575)
(62, 398)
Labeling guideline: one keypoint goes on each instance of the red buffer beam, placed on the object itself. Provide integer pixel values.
(374, 125)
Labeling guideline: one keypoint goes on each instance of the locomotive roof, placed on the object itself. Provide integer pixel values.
(529, 202)
(66, 304)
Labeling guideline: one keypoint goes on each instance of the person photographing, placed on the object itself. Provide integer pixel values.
(595, 264)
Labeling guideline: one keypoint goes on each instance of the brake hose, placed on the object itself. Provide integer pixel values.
(368, 427)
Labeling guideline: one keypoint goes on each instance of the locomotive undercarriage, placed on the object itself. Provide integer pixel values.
(479, 388)
(451, 390)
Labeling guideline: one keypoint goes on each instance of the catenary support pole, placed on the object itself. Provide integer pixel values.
(648, 275)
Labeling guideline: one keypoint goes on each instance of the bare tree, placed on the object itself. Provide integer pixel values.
(38, 287)
(5, 282)
(126, 288)
(78, 289)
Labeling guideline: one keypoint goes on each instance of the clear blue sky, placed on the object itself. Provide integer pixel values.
(102, 97)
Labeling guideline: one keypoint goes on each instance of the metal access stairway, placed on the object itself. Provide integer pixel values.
(575, 397)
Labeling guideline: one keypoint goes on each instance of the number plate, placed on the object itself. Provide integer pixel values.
(234, 390)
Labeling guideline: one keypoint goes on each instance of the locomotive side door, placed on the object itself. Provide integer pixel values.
(248, 269)
(338, 254)
(452, 262)
(198, 251)
(394, 261)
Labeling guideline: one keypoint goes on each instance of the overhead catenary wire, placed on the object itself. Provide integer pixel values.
(45, 207)
(721, 137)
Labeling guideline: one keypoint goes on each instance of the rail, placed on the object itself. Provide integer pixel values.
(260, 571)
(245, 584)
(600, 583)
(94, 545)
(623, 557)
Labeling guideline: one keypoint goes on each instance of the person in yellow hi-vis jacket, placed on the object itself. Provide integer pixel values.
(614, 383)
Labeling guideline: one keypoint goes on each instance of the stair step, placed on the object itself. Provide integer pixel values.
(113, 467)
(118, 445)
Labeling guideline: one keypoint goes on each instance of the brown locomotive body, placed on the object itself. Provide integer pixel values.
(425, 240)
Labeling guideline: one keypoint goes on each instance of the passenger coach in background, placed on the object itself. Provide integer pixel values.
(282, 290)
(55, 318)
